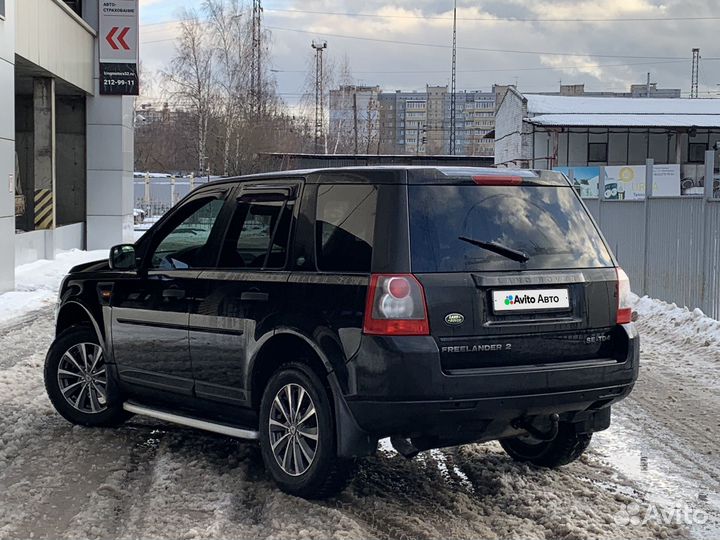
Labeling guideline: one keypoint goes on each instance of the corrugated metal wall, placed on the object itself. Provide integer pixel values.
(669, 247)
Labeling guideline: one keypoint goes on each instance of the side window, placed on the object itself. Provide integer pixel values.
(259, 233)
(344, 227)
(185, 245)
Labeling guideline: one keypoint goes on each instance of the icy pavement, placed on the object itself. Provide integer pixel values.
(152, 480)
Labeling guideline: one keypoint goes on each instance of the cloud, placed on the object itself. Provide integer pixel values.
(389, 64)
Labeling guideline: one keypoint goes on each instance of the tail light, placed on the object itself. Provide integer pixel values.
(395, 306)
(624, 309)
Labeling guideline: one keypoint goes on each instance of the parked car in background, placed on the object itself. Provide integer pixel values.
(318, 311)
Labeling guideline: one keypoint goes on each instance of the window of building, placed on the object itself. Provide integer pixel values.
(345, 225)
(696, 152)
(75, 5)
(2, 9)
(597, 152)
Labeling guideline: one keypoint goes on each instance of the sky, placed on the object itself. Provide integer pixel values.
(606, 44)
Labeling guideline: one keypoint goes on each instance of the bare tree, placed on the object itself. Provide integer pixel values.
(190, 77)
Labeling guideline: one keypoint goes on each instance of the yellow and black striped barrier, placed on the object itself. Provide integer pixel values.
(43, 209)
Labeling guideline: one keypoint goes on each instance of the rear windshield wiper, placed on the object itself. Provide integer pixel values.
(498, 248)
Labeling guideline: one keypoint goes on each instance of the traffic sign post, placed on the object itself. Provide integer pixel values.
(118, 47)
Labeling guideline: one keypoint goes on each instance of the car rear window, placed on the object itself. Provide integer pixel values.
(546, 224)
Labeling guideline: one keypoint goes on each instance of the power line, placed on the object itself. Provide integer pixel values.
(494, 70)
(480, 49)
(469, 19)
(496, 19)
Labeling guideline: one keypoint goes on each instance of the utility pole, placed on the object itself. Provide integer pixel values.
(453, 103)
(256, 60)
(695, 73)
(319, 112)
(647, 88)
(355, 119)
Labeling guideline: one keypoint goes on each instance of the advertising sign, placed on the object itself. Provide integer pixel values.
(119, 44)
(586, 179)
(627, 182)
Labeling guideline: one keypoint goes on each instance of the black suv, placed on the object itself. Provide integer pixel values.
(318, 311)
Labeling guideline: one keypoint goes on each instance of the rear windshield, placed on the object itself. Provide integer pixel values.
(519, 227)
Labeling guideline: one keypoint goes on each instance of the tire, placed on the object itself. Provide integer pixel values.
(563, 449)
(77, 381)
(318, 472)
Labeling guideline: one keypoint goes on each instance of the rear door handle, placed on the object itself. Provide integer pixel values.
(253, 296)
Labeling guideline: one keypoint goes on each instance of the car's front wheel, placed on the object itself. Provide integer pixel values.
(297, 434)
(565, 448)
(76, 380)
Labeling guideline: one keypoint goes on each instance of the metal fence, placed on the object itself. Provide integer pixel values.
(669, 246)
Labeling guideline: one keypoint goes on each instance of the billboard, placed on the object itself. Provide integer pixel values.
(118, 37)
(585, 179)
(627, 182)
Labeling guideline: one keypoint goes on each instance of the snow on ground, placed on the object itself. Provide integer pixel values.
(36, 283)
(148, 479)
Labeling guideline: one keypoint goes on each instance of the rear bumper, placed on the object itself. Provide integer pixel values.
(398, 388)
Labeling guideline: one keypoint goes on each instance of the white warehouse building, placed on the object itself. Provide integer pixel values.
(66, 152)
(544, 132)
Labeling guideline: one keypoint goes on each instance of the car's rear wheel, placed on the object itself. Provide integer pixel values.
(297, 434)
(76, 380)
(563, 449)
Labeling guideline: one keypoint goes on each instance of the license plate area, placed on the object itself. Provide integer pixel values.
(508, 301)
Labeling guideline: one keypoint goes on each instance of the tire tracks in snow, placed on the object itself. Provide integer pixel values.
(150, 480)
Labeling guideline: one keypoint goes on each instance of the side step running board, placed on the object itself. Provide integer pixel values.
(191, 422)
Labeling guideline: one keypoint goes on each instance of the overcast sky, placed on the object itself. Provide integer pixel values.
(604, 55)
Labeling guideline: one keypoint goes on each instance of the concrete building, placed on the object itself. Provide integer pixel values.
(419, 122)
(636, 91)
(354, 113)
(542, 131)
(66, 153)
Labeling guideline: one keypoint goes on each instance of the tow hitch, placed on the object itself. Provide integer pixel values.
(529, 424)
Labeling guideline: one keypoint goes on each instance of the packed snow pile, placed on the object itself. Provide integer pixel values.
(691, 325)
(37, 283)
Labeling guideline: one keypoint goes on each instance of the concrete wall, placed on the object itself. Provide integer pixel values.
(70, 155)
(513, 142)
(45, 244)
(7, 147)
(52, 36)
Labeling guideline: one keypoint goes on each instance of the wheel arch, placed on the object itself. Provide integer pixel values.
(288, 344)
(279, 348)
(73, 313)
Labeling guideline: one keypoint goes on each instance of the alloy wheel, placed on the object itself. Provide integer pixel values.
(82, 378)
(293, 429)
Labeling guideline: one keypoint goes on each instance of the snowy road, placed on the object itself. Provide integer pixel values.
(152, 480)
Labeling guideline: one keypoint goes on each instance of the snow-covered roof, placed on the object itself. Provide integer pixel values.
(628, 120)
(538, 104)
(622, 112)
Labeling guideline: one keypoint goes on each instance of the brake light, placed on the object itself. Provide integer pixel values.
(395, 306)
(624, 309)
(497, 180)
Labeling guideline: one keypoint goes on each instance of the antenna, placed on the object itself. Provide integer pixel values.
(319, 110)
(453, 81)
(695, 73)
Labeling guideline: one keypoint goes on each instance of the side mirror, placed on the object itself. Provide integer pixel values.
(122, 257)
